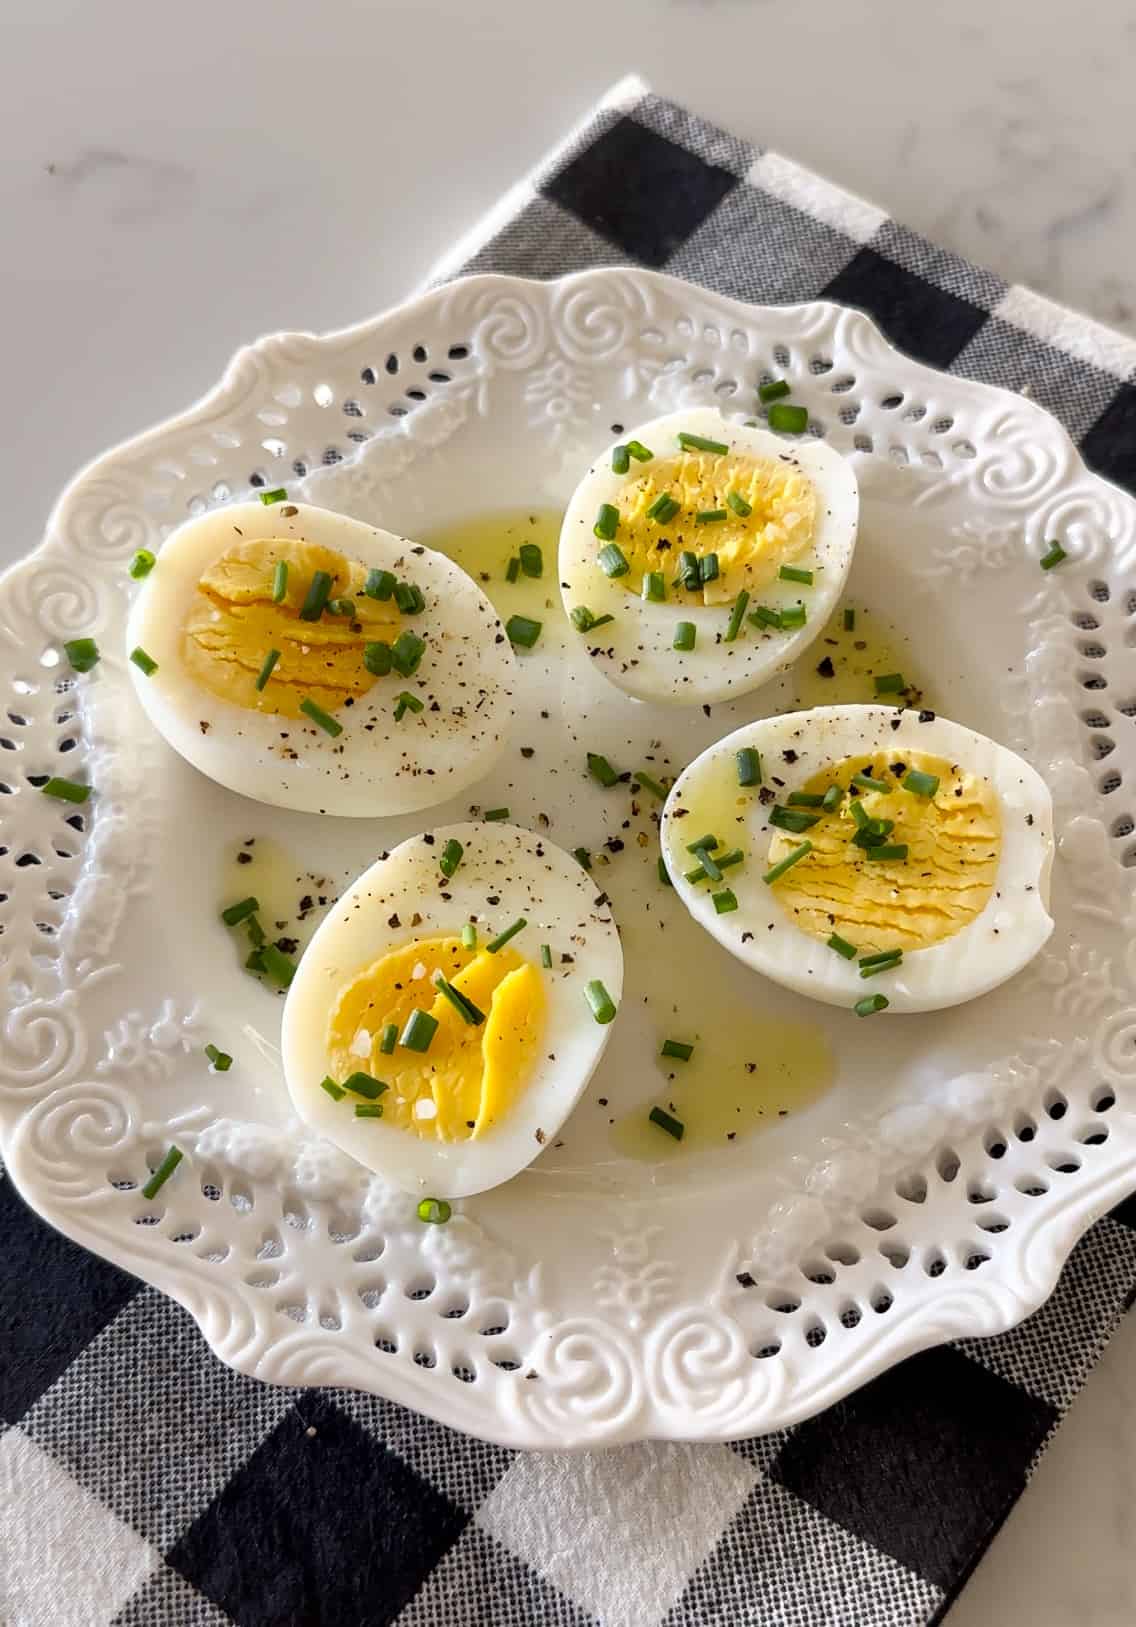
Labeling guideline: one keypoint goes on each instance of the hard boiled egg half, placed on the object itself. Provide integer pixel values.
(450, 1009)
(698, 556)
(314, 662)
(868, 857)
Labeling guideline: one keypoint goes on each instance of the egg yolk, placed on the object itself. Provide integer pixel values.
(751, 547)
(953, 842)
(233, 624)
(471, 1075)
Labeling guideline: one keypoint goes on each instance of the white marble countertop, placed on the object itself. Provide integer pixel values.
(176, 183)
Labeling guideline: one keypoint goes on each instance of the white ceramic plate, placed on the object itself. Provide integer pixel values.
(932, 1192)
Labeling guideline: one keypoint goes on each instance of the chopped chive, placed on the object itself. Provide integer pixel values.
(601, 1002)
(142, 564)
(868, 838)
(145, 663)
(256, 933)
(679, 1049)
(66, 790)
(708, 568)
(315, 600)
(654, 586)
(884, 958)
(368, 1110)
(663, 509)
(409, 598)
(689, 572)
(684, 636)
(832, 799)
(860, 815)
(650, 784)
(787, 863)
(897, 850)
(792, 616)
(699, 443)
(546, 956)
(323, 720)
(464, 1007)
(255, 962)
(792, 819)
(379, 584)
(724, 902)
(639, 452)
(620, 459)
(793, 573)
(709, 864)
(83, 653)
(890, 683)
(281, 968)
(663, 872)
(702, 843)
(870, 1004)
(849, 621)
(739, 505)
(407, 652)
(378, 658)
(666, 1121)
(710, 516)
(582, 857)
(469, 935)
(773, 391)
(434, 1211)
(389, 1039)
(236, 913)
(509, 933)
(612, 560)
(804, 799)
(583, 619)
(842, 946)
(419, 1031)
(1054, 557)
(266, 670)
(513, 569)
(865, 782)
(363, 1084)
(749, 766)
(789, 420)
(451, 857)
(495, 816)
(600, 769)
(277, 495)
(163, 1172)
(920, 784)
(341, 607)
(532, 560)
(607, 523)
(221, 1060)
(406, 702)
(336, 1092)
(763, 616)
(523, 630)
(733, 627)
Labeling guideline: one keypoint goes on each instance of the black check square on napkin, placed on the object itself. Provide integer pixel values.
(146, 1485)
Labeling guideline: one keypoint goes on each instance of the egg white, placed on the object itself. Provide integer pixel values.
(636, 650)
(526, 875)
(996, 944)
(376, 766)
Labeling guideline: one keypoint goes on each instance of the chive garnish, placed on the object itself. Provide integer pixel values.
(513, 569)
(849, 621)
(66, 790)
(708, 568)
(221, 1060)
(612, 560)
(868, 838)
(546, 956)
(890, 683)
(142, 564)
(792, 819)
(831, 799)
(724, 902)
(709, 864)
(362, 1084)
(897, 850)
(495, 816)
(523, 630)
(236, 913)
(663, 509)
(406, 702)
(663, 872)
(684, 636)
(719, 861)
(334, 1091)
(409, 598)
(368, 1110)
(407, 652)
(773, 391)
(281, 968)
(389, 1039)
(266, 670)
(793, 573)
(654, 586)
(323, 720)
(255, 961)
(319, 591)
(451, 857)
(870, 1004)
(871, 964)
(532, 560)
(163, 1172)
(739, 505)
(582, 857)
(600, 769)
(601, 1003)
(341, 607)
(509, 933)
(83, 653)
(689, 571)
(464, 1007)
(787, 863)
(469, 935)
(860, 815)
(256, 933)
(699, 443)
(674, 1127)
(865, 782)
(749, 766)
(607, 523)
(792, 616)
(639, 452)
(789, 420)
(379, 584)
(583, 620)
(678, 1049)
(842, 946)
(703, 842)
(419, 1031)
(145, 663)
(620, 460)
(1054, 556)
(277, 495)
(804, 799)
(434, 1211)
(650, 784)
(763, 616)
(709, 516)
(920, 784)
(378, 658)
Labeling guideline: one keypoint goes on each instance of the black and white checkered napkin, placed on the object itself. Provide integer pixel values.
(144, 1484)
